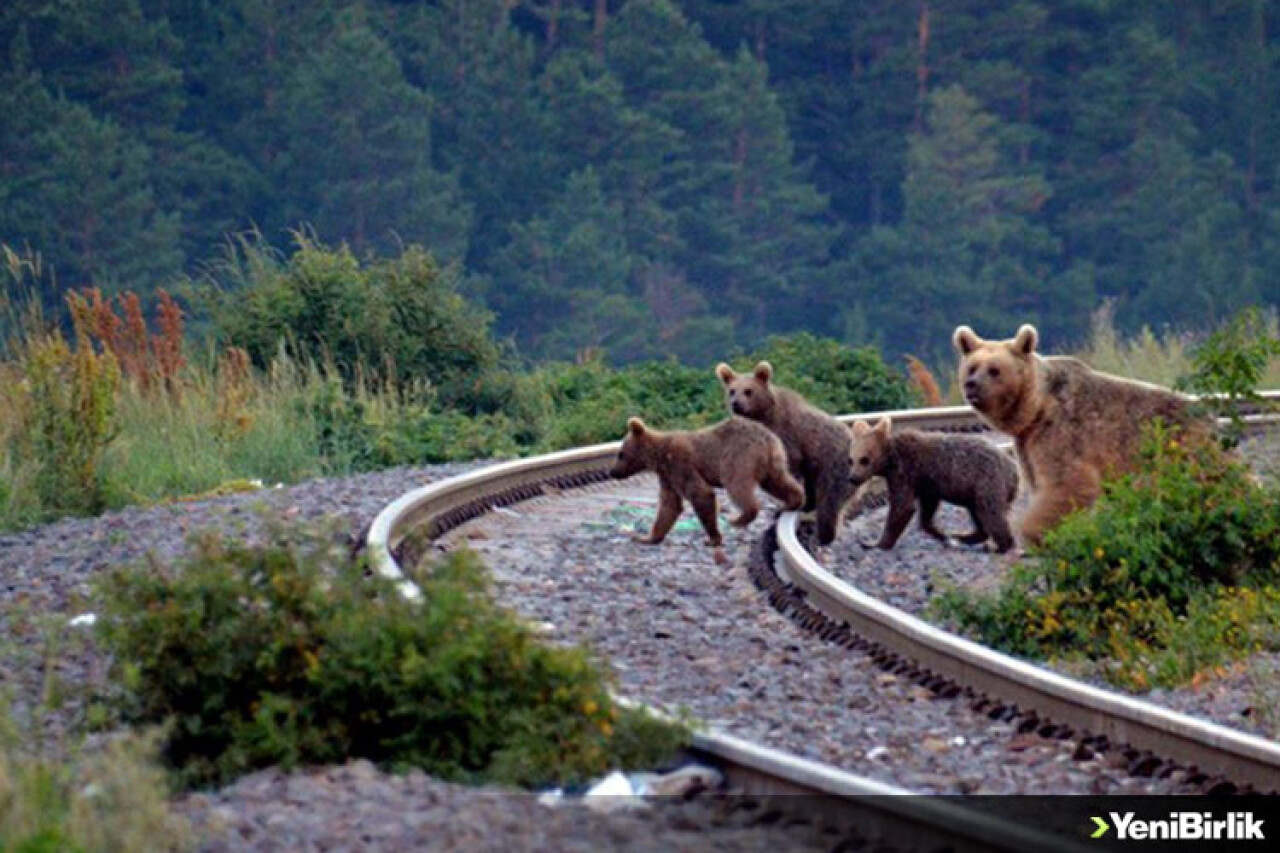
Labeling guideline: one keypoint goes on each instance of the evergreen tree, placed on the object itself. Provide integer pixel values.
(75, 188)
(567, 277)
(969, 249)
(751, 230)
(355, 147)
(487, 118)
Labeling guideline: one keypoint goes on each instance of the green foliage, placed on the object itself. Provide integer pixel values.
(834, 377)
(349, 97)
(70, 408)
(1148, 557)
(589, 403)
(1230, 364)
(396, 319)
(287, 653)
(99, 802)
(658, 177)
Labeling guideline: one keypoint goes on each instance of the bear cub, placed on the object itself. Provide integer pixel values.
(817, 444)
(927, 469)
(735, 454)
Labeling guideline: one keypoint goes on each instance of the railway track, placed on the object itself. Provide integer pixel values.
(1038, 700)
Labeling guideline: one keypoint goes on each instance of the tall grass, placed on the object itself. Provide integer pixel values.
(1161, 358)
(195, 442)
(101, 802)
(171, 427)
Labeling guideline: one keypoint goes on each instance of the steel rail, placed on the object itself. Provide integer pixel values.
(1123, 719)
(408, 526)
(908, 820)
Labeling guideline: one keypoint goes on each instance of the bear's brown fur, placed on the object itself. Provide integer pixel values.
(817, 444)
(928, 468)
(1072, 426)
(735, 454)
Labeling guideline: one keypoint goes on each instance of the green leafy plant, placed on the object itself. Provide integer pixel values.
(1228, 367)
(392, 319)
(1124, 577)
(71, 410)
(287, 653)
(111, 799)
(833, 376)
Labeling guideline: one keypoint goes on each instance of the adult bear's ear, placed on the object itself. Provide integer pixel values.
(763, 372)
(884, 427)
(636, 426)
(725, 372)
(1027, 339)
(965, 340)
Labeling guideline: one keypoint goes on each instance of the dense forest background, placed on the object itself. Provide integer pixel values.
(642, 177)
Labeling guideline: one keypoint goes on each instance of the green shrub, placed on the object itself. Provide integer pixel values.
(1231, 363)
(1191, 520)
(102, 802)
(397, 319)
(832, 376)
(589, 403)
(286, 653)
(71, 411)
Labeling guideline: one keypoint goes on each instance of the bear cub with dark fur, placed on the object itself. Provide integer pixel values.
(817, 444)
(927, 469)
(735, 454)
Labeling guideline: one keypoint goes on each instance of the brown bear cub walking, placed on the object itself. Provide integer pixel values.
(928, 469)
(735, 454)
(817, 444)
(1072, 425)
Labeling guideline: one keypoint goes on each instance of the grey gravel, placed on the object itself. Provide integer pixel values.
(46, 574)
(1247, 696)
(683, 633)
(357, 807)
(45, 580)
(679, 632)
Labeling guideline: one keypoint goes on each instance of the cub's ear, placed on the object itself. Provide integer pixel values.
(1027, 339)
(965, 340)
(884, 427)
(859, 428)
(725, 372)
(763, 371)
(636, 426)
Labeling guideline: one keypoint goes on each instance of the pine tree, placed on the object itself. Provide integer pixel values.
(75, 188)
(564, 282)
(969, 249)
(355, 149)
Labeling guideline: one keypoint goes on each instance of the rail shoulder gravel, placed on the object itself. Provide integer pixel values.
(1121, 718)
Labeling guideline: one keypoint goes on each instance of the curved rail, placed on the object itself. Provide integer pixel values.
(406, 528)
(1054, 697)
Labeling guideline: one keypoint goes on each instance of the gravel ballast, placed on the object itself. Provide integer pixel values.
(683, 633)
(679, 631)
(1246, 696)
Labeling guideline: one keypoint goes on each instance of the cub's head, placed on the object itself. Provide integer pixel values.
(996, 375)
(748, 394)
(869, 451)
(633, 456)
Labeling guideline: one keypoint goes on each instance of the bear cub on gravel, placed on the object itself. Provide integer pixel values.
(817, 444)
(928, 469)
(735, 454)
